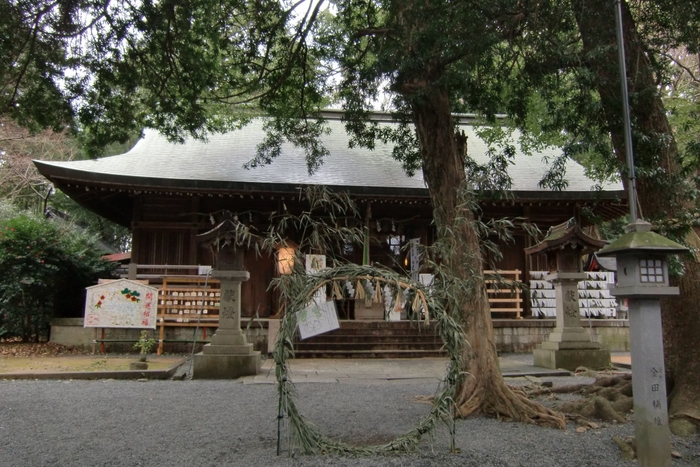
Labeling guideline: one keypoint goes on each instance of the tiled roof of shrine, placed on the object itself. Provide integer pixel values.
(220, 161)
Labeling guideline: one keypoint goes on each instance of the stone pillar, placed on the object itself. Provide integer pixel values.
(228, 337)
(229, 355)
(649, 384)
(569, 346)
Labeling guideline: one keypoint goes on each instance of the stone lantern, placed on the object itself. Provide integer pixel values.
(228, 355)
(569, 346)
(642, 278)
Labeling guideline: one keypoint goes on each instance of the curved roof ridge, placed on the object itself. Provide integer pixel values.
(222, 157)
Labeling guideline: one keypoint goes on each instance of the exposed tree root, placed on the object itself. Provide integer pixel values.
(497, 399)
(684, 411)
(582, 421)
(622, 383)
(628, 447)
(684, 425)
(596, 407)
(558, 390)
(609, 398)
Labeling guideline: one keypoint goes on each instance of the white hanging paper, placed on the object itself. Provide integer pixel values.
(317, 318)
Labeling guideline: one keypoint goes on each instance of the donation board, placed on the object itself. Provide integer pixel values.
(121, 304)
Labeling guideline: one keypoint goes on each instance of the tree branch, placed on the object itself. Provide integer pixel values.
(680, 65)
(371, 32)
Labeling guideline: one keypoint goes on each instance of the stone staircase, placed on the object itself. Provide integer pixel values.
(374, 339)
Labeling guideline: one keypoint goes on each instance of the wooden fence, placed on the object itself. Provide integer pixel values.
(184, 301)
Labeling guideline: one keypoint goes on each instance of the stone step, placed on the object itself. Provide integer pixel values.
(367, 324)
(370, 354)
(372, 337)
(383, 328)
(371, 345)
(382, 332)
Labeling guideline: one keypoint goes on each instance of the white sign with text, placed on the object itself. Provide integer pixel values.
(121, 304)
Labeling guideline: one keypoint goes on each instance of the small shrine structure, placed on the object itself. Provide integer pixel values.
(569, 346)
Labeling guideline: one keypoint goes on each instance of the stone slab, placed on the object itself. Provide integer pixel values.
(347, 371)
(231, 275)
(533, 379)
(70, 331)
(273, 330)
(570, 359)
(225, 366)
(218, 339)
(570, 345)
(569, 335)
(92, 375)
(246, 349)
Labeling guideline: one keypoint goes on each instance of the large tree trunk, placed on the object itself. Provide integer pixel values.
(483, 390)
(660, 194)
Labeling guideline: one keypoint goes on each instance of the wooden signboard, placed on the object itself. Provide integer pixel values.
(121, 304)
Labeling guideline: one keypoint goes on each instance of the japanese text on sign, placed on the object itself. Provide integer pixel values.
(120, 304)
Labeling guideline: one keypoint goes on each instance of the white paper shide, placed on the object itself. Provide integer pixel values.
(320, 315)
(317, 318)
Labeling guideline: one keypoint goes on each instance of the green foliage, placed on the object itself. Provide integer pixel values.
(7, 211)
(46, 267)
(568, 73)
(614, 228)
(184, 67)
(34, 38)
(331, 221)
(299, 288)
(201, 66)
(113, 235)
(22, 185)
(682, 99)
(144, 344)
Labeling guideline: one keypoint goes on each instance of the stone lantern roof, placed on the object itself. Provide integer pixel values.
(639, 237)
(226, 241)
(566, 234)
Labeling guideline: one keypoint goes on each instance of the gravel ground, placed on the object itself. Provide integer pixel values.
(191, 423)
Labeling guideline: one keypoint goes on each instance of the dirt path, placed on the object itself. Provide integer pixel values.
(18, 357)
(79, 363)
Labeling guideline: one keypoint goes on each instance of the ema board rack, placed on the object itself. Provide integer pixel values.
(188, 302)
(594, 295)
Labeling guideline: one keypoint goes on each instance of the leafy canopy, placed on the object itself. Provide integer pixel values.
(46, 267)
(193, 67)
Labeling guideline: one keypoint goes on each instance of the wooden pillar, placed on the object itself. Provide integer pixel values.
(193, 231)
(136, 247)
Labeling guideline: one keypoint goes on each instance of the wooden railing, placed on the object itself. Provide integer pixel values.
(505, 299)
(135, 271)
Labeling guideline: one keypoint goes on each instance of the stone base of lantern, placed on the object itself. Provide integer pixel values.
(228, 356)
(571, 359)
(213, 366)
